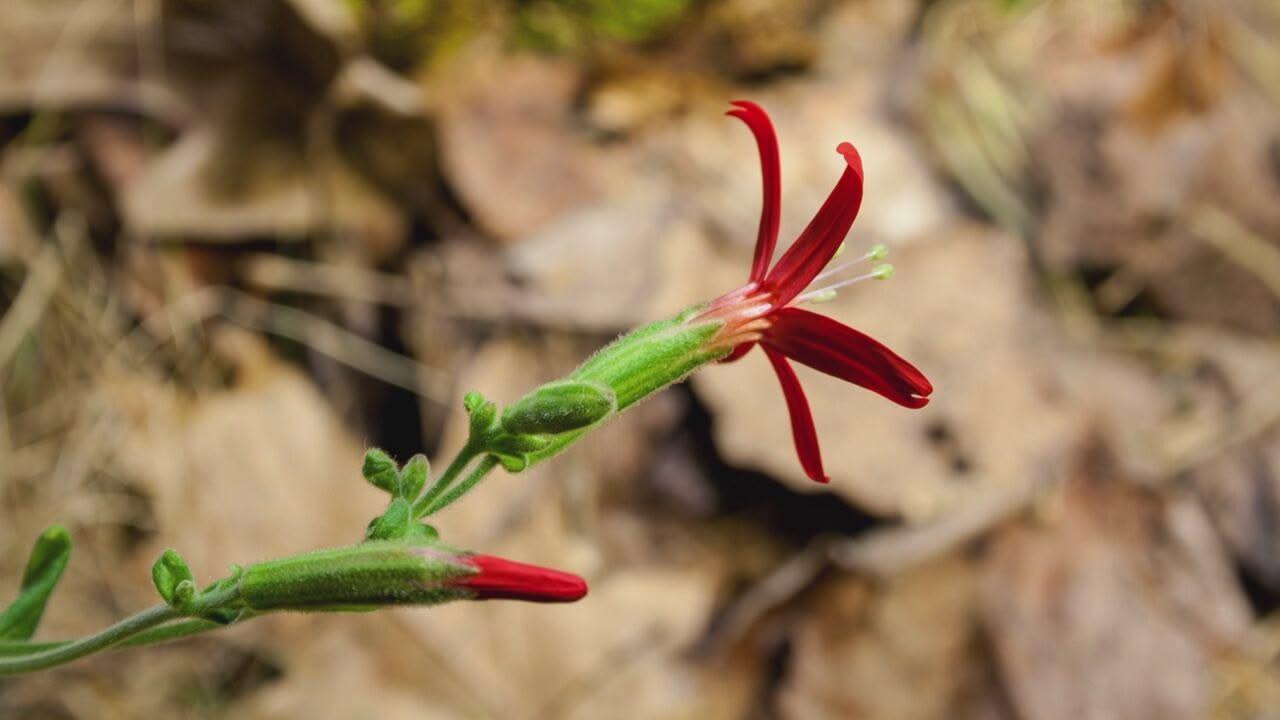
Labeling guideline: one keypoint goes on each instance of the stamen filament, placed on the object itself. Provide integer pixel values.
(881, 272)
(877, 252)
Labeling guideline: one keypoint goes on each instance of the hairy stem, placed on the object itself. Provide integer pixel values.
(145, 627)
(130, 626)
(464, 457)
(154, 636)
(481, 469)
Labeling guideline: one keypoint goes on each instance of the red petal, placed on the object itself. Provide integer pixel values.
(822, 237)
(509, 580)
(758, 121)
(835, 349)
(802, 431)
(738, 352)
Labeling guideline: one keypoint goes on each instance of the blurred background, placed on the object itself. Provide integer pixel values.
(239, 241)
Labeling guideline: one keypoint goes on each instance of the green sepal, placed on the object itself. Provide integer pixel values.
(514, 451)
(647, 360)
(173, 580)
(371, 573)
(223, 616)
(48, 559)
(422, 531)
(413, 476)
(482, 414)
(559, 406)
(381, 471)
(392, 524)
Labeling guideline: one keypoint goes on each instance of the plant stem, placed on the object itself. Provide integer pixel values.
(481, 469)
(156, 635)
(77, 649)
(460, 462)
(144, 628)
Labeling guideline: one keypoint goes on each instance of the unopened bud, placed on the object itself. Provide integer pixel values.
(173, 579)
(559, 407)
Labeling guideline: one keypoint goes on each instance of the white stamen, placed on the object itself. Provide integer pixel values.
(881, 272)
(877, 252)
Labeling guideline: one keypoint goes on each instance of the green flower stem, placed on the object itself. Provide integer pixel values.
(481, 469)
(77, 649)
(154, 636)
(150, 619)
(464, 458)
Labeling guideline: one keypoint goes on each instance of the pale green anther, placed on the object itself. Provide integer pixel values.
(822, 296)
(877, 252)
(882, 272)
(356, 577)
(559, 407)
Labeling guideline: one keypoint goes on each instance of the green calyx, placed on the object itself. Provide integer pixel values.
(636, 365)
(652, 357)
(359, 577)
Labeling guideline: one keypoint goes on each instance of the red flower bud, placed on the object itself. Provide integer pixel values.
(499, 579)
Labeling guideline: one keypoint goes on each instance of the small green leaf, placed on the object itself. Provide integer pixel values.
(559, 407)
(44, 568)
(380, 470)
(173, 579)
(482, 412)
(413, 476)
(392, 524)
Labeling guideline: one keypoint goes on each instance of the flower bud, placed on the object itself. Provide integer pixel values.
(499, 579)
(173, 579)
(559, 407)
(397, 573)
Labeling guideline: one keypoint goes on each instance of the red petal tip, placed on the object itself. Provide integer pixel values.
(500, 579)
(851, 156)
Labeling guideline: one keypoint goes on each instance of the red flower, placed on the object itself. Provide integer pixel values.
(764, 311)
(499, 579)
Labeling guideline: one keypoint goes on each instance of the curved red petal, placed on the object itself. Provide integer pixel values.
(501, 579)
(738, 352)
(822, 237)
(837, 349)
(757, 121)
(802, 430)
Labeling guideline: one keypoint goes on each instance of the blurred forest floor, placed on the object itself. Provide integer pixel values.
(239, 240)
